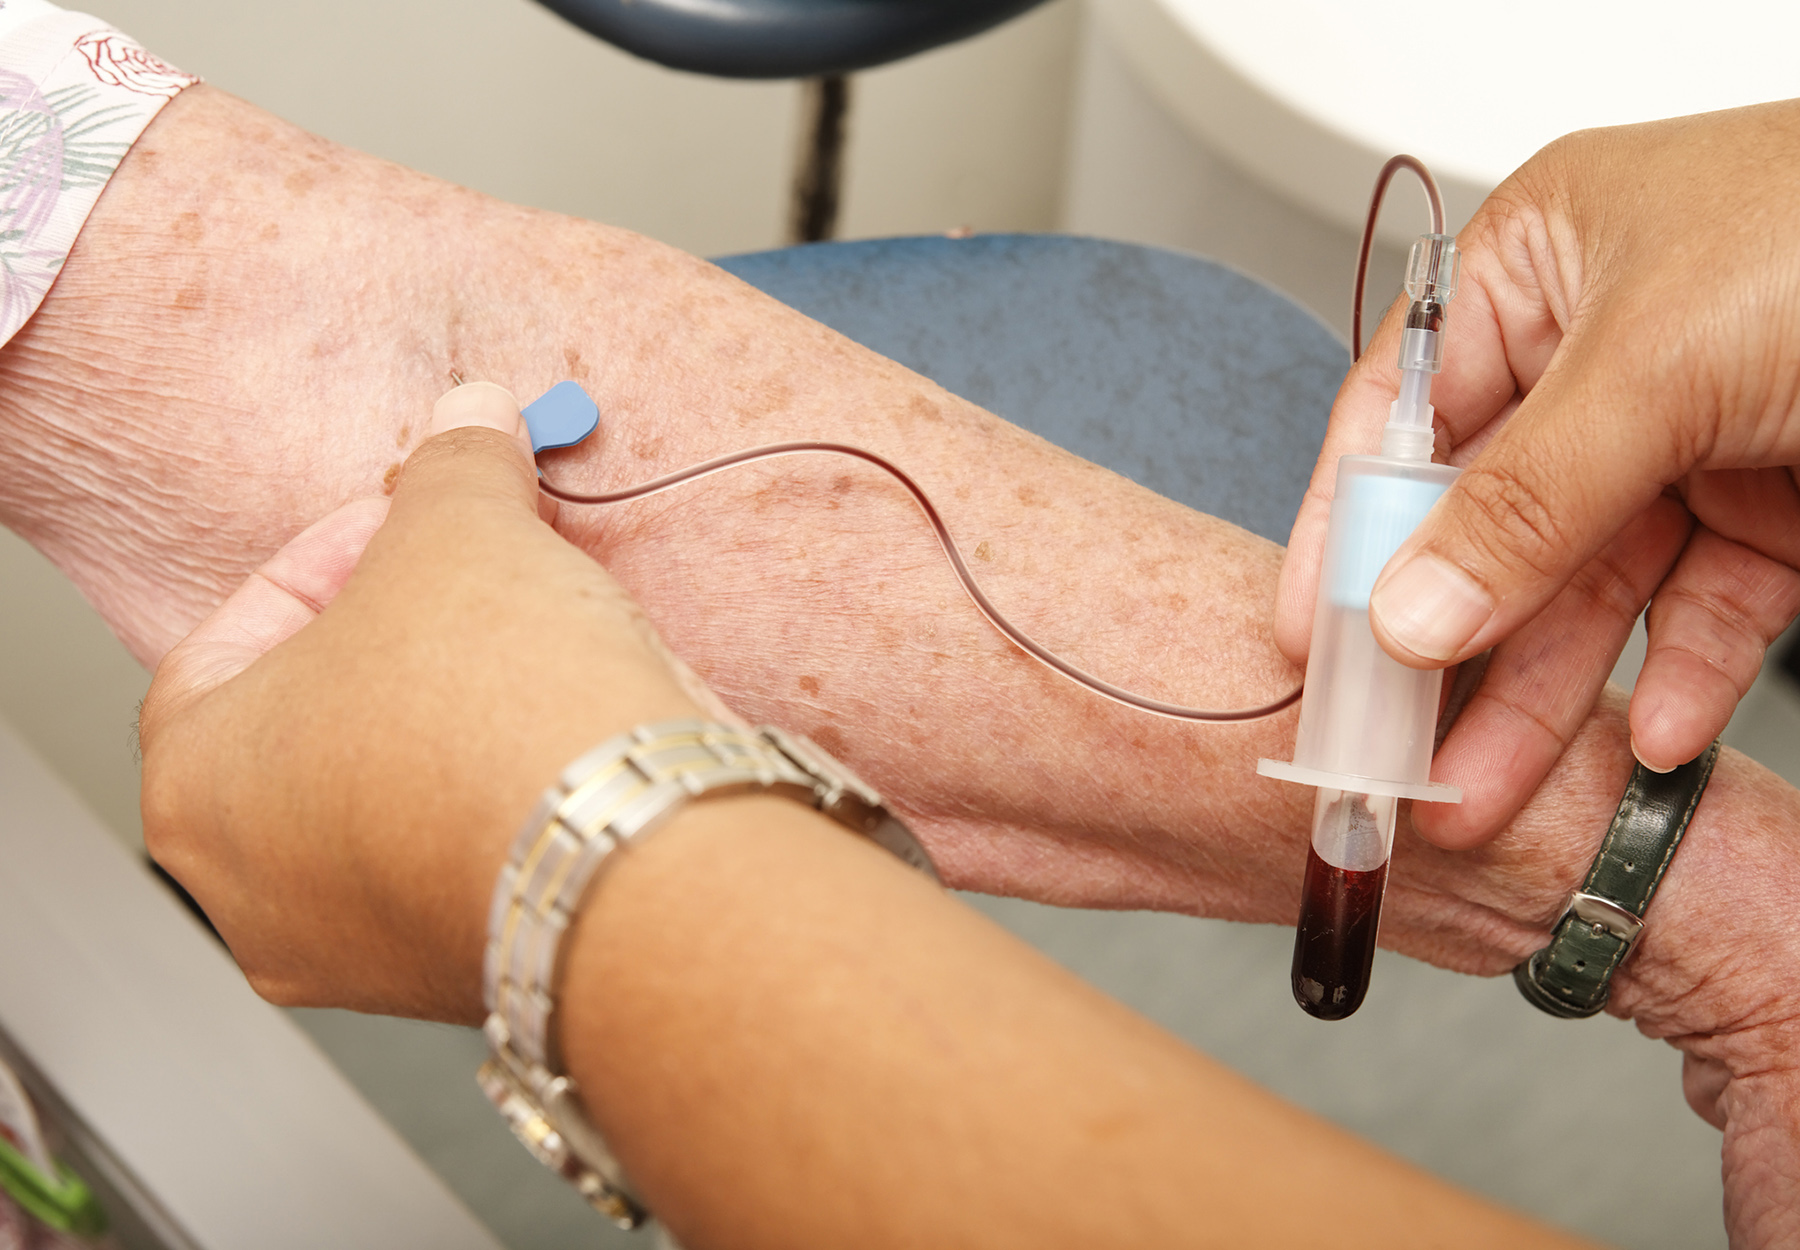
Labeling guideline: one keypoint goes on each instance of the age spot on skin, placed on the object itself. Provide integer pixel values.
(404, 434)
(924, 408)
(190, 297)
(983, 552)
(389, 478)
(809, 684)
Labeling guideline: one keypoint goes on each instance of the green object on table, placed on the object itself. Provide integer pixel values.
(64, 1202)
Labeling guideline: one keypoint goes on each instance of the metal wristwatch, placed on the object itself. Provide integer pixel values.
(618, 792)
(1600, 927)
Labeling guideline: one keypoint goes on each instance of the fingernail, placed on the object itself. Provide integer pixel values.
(1646, 763)
(477, 403)
(1430, 607)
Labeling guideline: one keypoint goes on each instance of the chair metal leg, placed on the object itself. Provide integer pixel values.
(819, 176)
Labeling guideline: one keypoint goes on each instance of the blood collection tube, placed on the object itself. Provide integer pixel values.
(1366, 720)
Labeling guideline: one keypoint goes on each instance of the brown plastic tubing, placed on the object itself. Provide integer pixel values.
(1013, 634)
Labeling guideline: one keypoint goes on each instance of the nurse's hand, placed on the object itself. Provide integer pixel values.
(341, 805)
(1622, 386)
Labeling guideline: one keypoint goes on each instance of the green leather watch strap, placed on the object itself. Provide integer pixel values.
(1572, 977)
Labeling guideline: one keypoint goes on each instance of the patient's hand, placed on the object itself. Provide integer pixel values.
(1715, 974)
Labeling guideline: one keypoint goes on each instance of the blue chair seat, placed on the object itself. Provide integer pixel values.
(1188, 377)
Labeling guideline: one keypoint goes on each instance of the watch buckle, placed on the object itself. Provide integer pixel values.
(560, 1141)
(1605, 915)
(841, 793)
(849, 800)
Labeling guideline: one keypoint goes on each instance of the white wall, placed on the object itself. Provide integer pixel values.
(1134, 172)
(972, 135)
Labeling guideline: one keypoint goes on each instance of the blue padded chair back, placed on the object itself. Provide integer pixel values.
(782, 38)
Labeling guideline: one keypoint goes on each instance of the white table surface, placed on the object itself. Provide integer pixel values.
(1311, 96)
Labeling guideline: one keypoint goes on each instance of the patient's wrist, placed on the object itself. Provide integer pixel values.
(1483, 910)
(79, 93)
(1717, 953)
(1720, 946)
(238, 343)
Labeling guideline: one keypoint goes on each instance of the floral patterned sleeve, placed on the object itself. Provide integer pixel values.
(74, 96)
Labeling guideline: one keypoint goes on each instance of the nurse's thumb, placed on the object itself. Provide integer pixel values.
(1573, 466)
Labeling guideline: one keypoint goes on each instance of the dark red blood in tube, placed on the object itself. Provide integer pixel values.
(1334, 947)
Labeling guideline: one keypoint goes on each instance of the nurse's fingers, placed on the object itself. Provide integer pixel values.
(1709, 626)
(272, 605)
(1541, 683)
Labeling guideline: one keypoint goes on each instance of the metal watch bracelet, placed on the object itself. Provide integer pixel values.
(1600, 927)
(620, 791)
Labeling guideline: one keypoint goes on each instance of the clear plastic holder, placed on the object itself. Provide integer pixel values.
(1367, 721)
